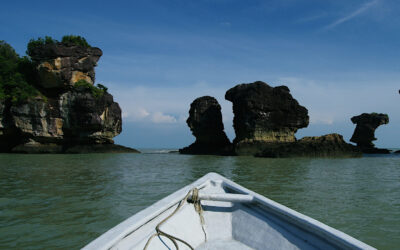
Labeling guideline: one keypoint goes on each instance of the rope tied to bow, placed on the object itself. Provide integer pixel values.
(197, 205)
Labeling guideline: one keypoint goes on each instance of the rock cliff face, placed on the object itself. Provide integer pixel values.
(331, 145)
(263, 115)
(66, 118)
(205, 122)
(61, 65)
(364, 132)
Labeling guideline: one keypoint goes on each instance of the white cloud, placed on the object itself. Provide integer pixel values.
(159, 117)
(139, 113)
(166, 104)
(352, 15)
(321, 119)
(143, 113)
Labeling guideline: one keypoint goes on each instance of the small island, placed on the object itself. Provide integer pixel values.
(265, 121)
(49, 102)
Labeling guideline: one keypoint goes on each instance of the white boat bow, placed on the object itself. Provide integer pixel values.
(231, 217)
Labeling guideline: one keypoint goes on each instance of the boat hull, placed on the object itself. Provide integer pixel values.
(241, 220)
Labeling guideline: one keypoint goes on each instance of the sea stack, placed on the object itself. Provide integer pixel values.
(67, 113)
(205, 122)
(264, 115)
(364, 132)
(266, 119)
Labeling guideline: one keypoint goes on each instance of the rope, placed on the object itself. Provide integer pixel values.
(199, 209)
(197, 205)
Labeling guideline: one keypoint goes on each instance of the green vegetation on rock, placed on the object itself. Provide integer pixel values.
(97, 92)
(16, 76)
(66, 40)
(102, 87)
(39, 42)
(76, 40)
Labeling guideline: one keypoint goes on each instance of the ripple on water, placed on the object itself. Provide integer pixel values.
(65, 201)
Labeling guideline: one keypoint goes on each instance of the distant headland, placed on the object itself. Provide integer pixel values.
(49, 102)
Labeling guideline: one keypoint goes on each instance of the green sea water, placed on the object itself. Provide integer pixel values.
(65, 201)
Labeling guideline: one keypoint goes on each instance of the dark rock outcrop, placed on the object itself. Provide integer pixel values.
(264, 115)
(205, 122)
(364, 132)
(61, 65)
(91, 119)
(331, 145)
(64, 118)
(265, 121)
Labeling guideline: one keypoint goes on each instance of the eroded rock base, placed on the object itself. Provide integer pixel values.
(331, 145)
(52, 148)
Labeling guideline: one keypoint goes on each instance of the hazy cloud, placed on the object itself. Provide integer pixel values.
(139, 113)
(225, 24)
(166, 104)
(159, 117)
(321, 119)
(311, 18)
(352, 15)
(327, 103)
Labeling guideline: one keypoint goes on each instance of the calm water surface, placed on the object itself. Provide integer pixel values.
(65, 201)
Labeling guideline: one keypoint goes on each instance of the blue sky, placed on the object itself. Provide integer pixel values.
(339, 58)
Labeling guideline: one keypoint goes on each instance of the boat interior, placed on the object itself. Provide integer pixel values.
(225, 225)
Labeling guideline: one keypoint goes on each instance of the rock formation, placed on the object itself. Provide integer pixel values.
(60, 65)
(264, 115)
(265, 121)
(331, 145)
(70, 115)
(364, 132)
(205, 122)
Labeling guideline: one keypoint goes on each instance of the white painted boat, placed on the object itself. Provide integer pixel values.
(230, 217)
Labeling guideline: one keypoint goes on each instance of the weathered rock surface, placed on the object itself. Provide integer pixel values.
(331, 145)
(88, 118)
(68, 120)
(264, 114)
(60, 65)
(364, 132)
(205, 122)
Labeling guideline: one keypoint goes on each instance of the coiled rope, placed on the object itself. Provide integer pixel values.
(196, 202)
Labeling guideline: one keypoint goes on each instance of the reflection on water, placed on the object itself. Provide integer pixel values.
(65, 201)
